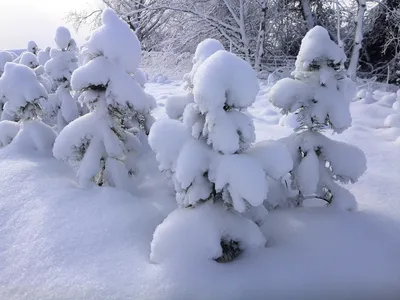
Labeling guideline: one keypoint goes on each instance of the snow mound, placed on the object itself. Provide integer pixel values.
(393, 120)
(388, 99)
(194, 235)
(8, 131)
(35, 136)
(60, 241)
(365, 96)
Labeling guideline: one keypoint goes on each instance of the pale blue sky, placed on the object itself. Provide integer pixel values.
(24, 20)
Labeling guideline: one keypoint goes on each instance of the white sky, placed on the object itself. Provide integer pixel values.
(24, 20)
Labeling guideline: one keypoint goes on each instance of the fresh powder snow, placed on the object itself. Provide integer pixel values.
(133, 190)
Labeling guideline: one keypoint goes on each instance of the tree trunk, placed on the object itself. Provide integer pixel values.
(260, 52)
(307, 14)
(243, 34)
(358, 38)
(338, 22)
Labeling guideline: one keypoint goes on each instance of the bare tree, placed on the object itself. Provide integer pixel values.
(358, 38)
(145, 17)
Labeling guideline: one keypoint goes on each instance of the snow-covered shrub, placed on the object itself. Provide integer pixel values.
(105, 140)
(5, 57)
(63, 62)
(44, 56)
(393, 120)
(33, 47)
(30, 60)
(364, 96)
(23, 94)
(176, 104)
(216, 173)
(317, 95)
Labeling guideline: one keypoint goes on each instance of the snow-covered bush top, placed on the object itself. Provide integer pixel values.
(225, 81)
(64, 59)
(29, 59)
(63, 37)
(114, 41)
(21, 88)
(318, 92)
(203, 51)
(4, 58)
(33, 47)
(317, 47)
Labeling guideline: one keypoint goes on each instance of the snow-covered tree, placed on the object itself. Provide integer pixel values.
(216, 173)
(23, 94)
(30, 60)
(63, 62)
(44, 56)
(175, 105)
(5, 57)
(318, 96)
(100, 141)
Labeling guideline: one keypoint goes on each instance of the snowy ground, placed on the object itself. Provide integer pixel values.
(58, 241)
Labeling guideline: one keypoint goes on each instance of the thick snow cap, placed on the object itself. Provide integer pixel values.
(32, 47)
(29, 59)
(63, 37)
(317, 45)
(223, 79)
(17, 93)
(205, 49)
(4, 58)
(116, 41)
